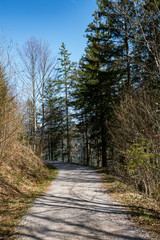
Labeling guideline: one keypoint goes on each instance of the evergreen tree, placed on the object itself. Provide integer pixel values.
(64, 78)
(53, 120)
(116, 16)
(100, 77)
(146, 43)
(80, 108)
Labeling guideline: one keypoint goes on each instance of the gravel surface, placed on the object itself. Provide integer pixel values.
(77, 208)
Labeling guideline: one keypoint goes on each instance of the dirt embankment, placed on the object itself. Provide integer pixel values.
(22, 177)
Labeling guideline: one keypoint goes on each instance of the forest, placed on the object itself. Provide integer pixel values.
(103, 111)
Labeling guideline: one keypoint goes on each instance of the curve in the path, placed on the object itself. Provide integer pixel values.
(76, 208)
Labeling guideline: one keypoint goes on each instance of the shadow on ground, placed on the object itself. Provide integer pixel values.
(75, 226)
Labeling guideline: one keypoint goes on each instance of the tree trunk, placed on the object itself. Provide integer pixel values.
(127, 48)
(62, 151)
(67, 123)
(103, 142)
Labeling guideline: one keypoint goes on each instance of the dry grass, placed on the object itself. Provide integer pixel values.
(23, 177)
(144, 212)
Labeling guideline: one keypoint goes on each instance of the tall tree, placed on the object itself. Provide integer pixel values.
(53, 120)
(38, 66)
(46, 70)
(146, 42)
(65, 72)
(116, 17)
(30, 58)
(100, 77)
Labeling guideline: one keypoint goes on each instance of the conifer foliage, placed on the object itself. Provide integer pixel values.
(87, 108)
(120, 67)
(100, 80)
(64, 80)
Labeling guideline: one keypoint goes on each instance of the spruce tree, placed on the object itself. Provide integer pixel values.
(146, 43)
(53, 120)
(117, 16)
(100, 77)
(64, 79)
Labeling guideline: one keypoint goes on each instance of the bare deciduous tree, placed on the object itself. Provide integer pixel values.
(30, 59)
(37, 66)
(46, 69)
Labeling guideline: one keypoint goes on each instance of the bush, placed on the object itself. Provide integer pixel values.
(136, 139)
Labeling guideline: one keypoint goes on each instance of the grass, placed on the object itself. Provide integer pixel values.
(144, 211)
(14, 205)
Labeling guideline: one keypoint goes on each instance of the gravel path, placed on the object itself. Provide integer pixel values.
(76, 208)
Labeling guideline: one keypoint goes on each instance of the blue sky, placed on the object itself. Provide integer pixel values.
(55, 21)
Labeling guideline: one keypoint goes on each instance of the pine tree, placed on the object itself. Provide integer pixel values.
(53, 120)
(117, 16)
(146, 43)
(100, 76)
(80, 108)
(64, 78)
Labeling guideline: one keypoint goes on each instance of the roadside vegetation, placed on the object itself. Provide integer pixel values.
(19, 186)
(144, 211)
(23, 176)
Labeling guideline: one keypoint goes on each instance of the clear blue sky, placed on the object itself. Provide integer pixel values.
(55, 21)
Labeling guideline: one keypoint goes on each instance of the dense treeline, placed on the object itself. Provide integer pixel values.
(117, 95)
(103, 111)
(118, 91)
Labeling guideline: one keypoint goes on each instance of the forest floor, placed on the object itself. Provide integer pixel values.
(76, 207)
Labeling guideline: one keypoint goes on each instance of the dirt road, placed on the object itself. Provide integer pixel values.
(76, 208)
